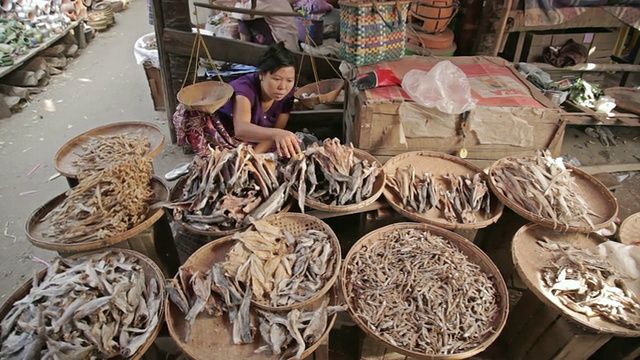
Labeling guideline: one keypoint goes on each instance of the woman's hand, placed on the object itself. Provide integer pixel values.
(287, 143)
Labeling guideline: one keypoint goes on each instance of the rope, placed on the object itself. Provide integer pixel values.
(198, 41)
(309, 40)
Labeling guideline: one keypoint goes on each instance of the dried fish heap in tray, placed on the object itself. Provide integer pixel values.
(103, 204)
(95, 307)
(102, 151)
(227, 188)
(330, 174)
(418, 292)
(462, 199)
(544, 187)
(304, 328)
(279, 268)
(587, 283)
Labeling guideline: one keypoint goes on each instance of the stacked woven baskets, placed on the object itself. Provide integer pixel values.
(427, 33)
(101, 16)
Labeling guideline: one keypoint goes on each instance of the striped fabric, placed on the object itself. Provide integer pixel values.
(372, 32)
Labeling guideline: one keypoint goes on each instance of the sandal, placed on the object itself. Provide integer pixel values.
(177, 172)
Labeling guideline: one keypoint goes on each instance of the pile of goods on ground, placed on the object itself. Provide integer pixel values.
(418, 292)
(588, 284)
(104, 203)
(462, 199)
(226, 189)
(330, 174)
(95, 307)
(543, 186)
(102, 151)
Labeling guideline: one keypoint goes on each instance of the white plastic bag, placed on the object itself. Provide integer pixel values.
(445, 87)
(143, 55)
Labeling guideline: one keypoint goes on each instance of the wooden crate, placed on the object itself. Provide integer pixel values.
(537, 331)
(154, 77)
(374, 125)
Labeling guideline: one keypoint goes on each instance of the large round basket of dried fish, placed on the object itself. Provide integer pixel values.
(334, 177)
(95, 305)
(226, 189)
(590, 280)
(98, 147)
(440, 189)
(424, 291)
(552, 193)
(209, 318)
(103, 209)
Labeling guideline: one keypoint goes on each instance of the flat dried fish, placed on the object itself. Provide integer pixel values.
(544, 187)
(281, 269)
(419, 292)
(83, 321)
(462, 199)
(103, 204)
(331, 174)
(587, 283)
(101, 151)
(226, 188)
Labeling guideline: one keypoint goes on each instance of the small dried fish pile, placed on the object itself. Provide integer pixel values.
(420, 293)
(101, 151)
(460, 199)
(280, 331)
(586, 283)
(103, 204)
(543, 186)
(227, 188)
(280, 269)
(330, 174)
(99, 307)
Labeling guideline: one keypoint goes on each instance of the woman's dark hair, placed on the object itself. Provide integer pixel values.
(276, 57)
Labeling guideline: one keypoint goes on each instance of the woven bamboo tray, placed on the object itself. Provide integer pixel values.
(35, 226)
(69, 152)
(629, 231)
(151, 271)
(378, 187)
(529, 258)
(474, 255)
(175, 194)
(212, 336)
(438, 164)
(599, 198)
(325, 91)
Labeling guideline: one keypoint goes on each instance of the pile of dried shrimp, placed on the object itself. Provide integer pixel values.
(101, 151)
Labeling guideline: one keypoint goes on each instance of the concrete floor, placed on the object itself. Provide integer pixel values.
(102, 85)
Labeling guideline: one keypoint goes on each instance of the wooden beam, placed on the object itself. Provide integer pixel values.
(589, 67)
(243, 52)
(609, 168)
(592, 17)
(247, 11)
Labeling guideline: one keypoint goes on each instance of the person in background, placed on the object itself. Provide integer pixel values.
(256, 114)
(268, 29)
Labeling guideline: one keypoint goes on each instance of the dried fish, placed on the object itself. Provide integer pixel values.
(544, 187)
(419, 292)
(587, 283)
(228, 187)
(331, 174)
(281, 269)
(104, 204)
(102, 151)
(83, 321)
(462, 199)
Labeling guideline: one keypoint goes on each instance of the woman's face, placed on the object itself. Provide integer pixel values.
(278, 84)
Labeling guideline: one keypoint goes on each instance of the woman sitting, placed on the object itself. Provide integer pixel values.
(257, 113)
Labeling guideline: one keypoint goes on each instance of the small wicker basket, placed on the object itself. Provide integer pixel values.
(207, 96)
(328, 92)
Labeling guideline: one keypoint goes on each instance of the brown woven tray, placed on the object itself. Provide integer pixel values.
(473, 253)
(212, 336)
(599, 198)
(437, 164)
(378, 187)
(68, 153)
(629, 231)
(35, 226)
(175, 194)
(151, 271)
(529, 258)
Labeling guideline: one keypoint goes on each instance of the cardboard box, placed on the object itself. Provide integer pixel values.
(373, 121)
(155, 86)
